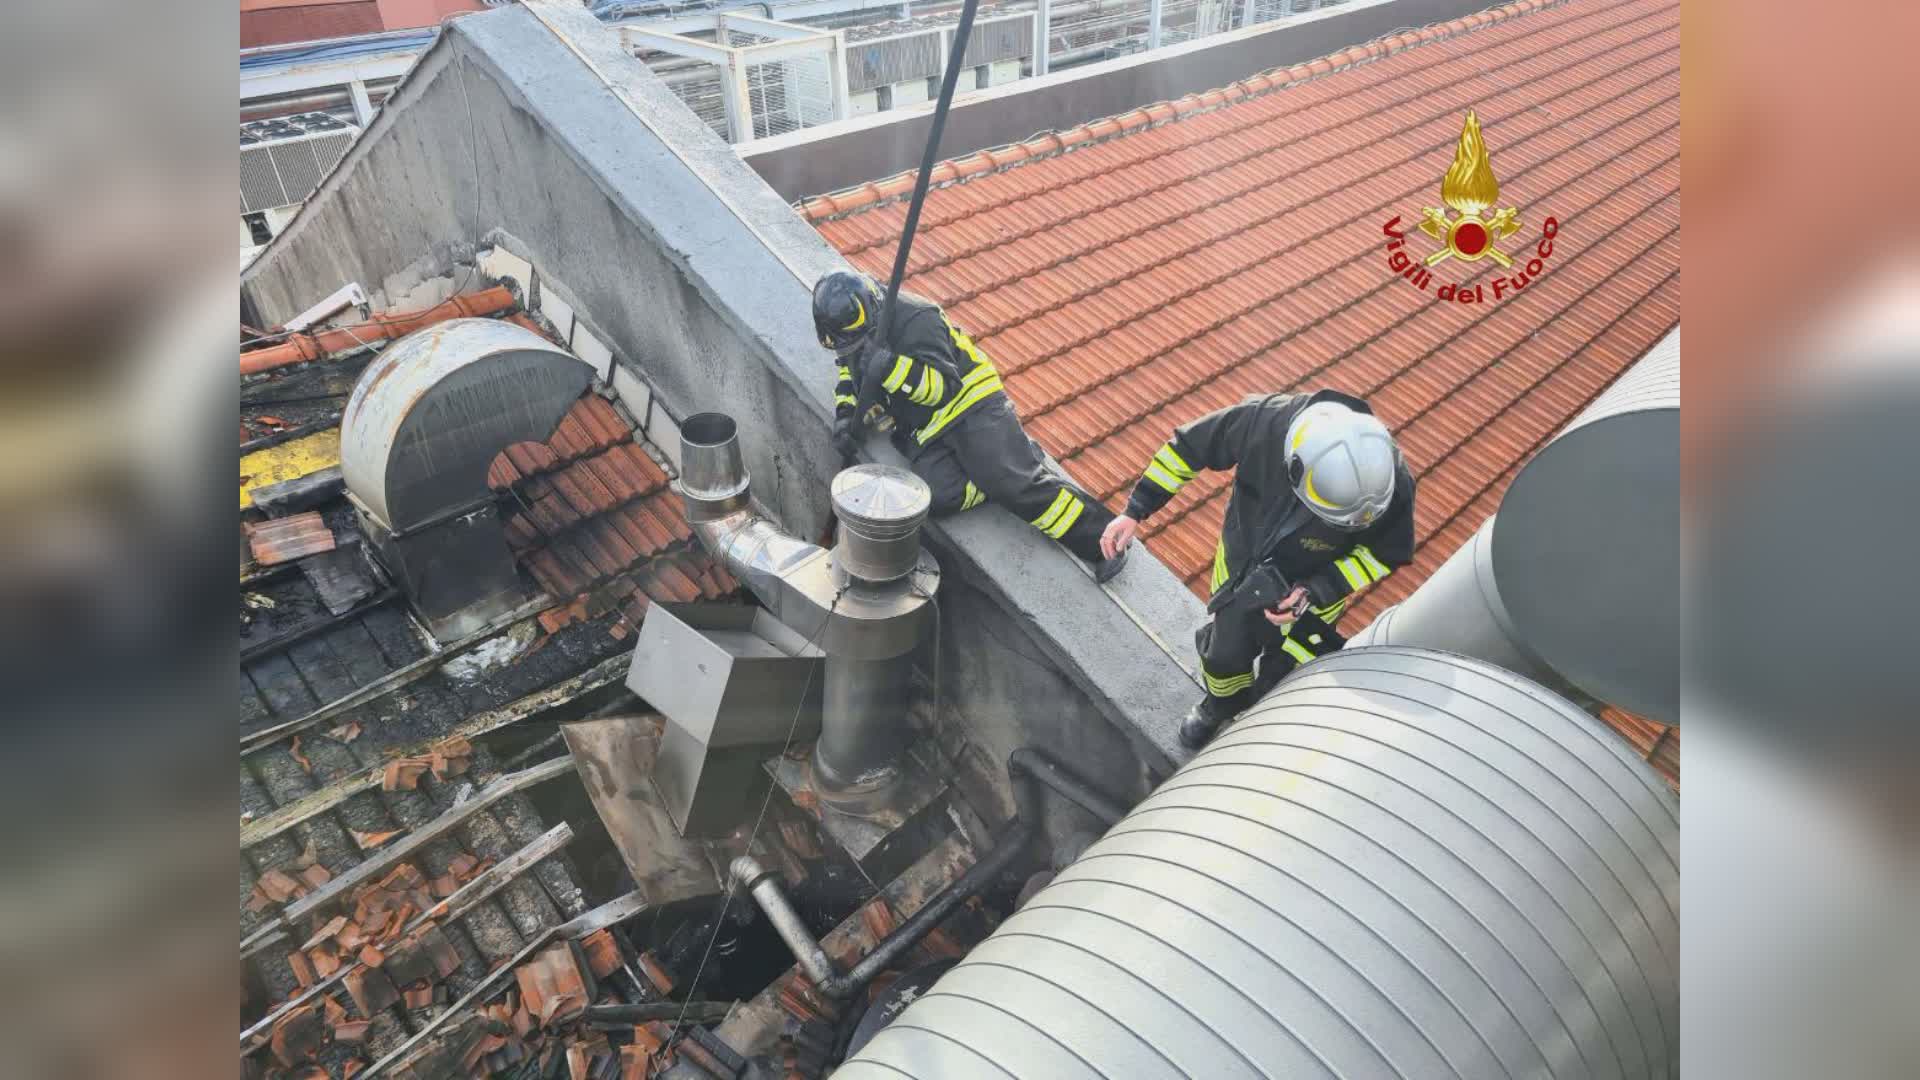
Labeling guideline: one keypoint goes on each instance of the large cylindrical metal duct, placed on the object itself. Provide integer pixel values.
(1586, 546)
(1400, 863)
(1458, 609)
(428, 415)
(1575, 582)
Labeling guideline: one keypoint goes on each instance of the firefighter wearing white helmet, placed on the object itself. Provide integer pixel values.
(1321, 509)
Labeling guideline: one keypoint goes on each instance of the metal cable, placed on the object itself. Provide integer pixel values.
(719, 920)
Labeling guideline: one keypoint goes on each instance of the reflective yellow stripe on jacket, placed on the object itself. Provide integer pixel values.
(979, 384)
(1168, 469)
(902, 365)
(933, 387)
(1361, 568)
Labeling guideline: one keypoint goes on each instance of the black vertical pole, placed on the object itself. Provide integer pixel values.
(948, 80)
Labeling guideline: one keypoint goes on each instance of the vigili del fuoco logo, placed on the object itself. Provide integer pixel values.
(1475, 230)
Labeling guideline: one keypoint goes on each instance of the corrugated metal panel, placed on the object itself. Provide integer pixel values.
(892, 60)
(1398, 864)
(1006, 38)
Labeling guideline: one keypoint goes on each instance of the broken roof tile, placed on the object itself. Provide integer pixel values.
(284, 539)
(1188, 254)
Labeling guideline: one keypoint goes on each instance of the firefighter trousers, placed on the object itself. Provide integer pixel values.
(1237, 637)
(986, 456)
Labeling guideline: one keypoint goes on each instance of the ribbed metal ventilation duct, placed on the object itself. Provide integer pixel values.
(1586, 546)
(1576, 580)
(1399, 863)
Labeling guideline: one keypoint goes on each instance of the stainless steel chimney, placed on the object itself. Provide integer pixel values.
(865, 604)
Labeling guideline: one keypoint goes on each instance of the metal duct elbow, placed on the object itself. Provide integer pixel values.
(1399, 863)
(716, 494)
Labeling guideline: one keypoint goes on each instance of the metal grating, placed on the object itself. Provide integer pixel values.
(260, 186)
(284, 171)
(787, 95)
(1116, 30)
(1269, 10)
(702, 94)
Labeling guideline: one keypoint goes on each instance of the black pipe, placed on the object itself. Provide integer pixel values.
(962, 31)
(1028, 761)
(1027, 770)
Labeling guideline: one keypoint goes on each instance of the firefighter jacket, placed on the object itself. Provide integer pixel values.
(1265, 520)
(928, 376)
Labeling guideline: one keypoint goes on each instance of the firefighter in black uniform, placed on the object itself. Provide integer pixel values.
(948, 414)
(1322, 508)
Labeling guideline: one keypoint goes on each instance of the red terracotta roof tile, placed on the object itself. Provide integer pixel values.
(279, 540)
(594, 521)
(1188, 254)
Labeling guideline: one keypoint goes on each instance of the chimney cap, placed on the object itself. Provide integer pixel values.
(881, 499)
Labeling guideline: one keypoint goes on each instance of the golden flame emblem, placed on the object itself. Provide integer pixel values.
(1470, 188)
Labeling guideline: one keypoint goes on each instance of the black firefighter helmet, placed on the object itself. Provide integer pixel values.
(846, 307)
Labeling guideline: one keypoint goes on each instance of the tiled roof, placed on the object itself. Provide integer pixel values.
(283, 23)
(597, 525)
(1137, 272)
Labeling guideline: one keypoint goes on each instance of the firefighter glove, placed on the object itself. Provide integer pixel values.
(846, 437)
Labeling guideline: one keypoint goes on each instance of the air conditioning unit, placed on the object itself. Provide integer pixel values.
(283, 160)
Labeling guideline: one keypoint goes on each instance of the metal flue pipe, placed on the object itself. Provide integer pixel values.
(865, 604)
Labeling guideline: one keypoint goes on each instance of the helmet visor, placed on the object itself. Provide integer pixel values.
(1363, 512)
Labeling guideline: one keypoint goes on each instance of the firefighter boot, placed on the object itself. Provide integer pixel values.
(1201, 723)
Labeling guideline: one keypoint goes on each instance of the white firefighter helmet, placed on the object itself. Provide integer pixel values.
(1341, 463)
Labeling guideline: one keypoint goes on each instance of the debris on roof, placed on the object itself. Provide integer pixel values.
(287, 461)
(297, 348)
(382, 870)
(1139, 271)
(284, 539)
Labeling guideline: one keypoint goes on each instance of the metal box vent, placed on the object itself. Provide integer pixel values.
(729, 679)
